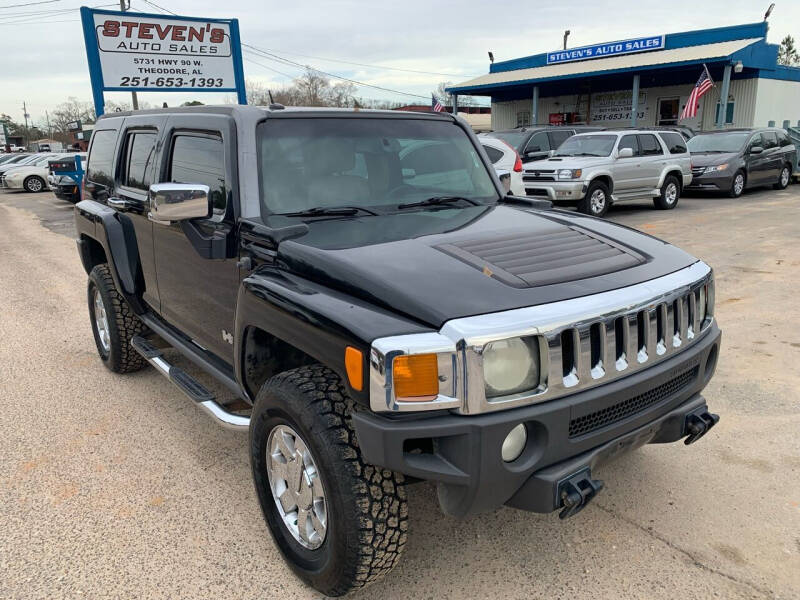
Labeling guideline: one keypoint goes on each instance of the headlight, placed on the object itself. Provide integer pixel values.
(569, 173)
(716, 168)
(510, 366)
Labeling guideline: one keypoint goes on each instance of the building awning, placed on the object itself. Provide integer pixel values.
(689, 54)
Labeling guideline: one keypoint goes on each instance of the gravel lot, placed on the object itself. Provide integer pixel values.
(117, 486)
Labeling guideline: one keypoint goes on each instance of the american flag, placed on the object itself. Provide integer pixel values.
(436, 106)
(703, 84)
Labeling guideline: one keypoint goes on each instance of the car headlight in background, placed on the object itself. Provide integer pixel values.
(716, 168)
(510, 366)
(569, 173)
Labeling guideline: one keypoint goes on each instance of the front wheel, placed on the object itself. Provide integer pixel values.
(737, 185)
(596, 200)
(33, 184)
(783, 179)
(339, 522)
(670, 194)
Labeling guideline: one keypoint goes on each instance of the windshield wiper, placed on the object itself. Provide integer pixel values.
(330, 211)
(437, 201)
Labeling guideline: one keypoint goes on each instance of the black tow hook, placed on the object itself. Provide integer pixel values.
(576, 492)
(697, 425)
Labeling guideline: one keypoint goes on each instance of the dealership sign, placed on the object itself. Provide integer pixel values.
(616, 107)
(143, 52)
(643, 44)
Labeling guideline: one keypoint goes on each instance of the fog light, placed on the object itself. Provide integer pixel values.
(514, 443)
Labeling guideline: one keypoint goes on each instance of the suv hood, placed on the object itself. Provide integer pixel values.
(436, 265)
(708, 159)
(569, 162)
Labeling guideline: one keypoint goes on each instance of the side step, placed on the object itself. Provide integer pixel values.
(195, 390)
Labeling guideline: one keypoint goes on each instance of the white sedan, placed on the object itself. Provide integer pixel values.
(504, 158)
(31, 177)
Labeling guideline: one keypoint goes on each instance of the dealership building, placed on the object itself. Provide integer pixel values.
(646, 81)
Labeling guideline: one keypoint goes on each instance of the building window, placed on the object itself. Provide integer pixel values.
(523, 118)
(728, 113)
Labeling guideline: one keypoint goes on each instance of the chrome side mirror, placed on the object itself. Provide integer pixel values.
(179, 201)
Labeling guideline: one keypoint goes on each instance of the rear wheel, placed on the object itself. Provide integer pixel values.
(670, 194)
(784, 178)
(33, 184)
(339, 522)
(596, 200)
(737, 185)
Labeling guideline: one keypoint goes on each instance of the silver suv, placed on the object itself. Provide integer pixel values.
(594, 170)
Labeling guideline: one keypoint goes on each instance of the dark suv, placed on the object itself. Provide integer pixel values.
(535, 143)
(735, 159)
(376, 311)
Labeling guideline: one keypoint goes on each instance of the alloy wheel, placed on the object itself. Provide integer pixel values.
(598, 201)
(738, 183)
(34, 185)
(671, 193)
(785, 177)
(101, 321)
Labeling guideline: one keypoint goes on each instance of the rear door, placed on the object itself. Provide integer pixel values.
(757, 164)
(626, 170)
(773, 151)
(198, 279)
(537, 148)
(652, 160)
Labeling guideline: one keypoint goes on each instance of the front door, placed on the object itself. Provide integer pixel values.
(198, 278)
(626, 170)
(758, 165)
(668, 109)
(537, 148)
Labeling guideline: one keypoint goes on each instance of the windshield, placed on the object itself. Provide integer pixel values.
(718, 142)
(367, 163)
(587, 145)
(515, 139)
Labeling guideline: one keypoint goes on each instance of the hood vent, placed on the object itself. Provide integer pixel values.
(524, 259)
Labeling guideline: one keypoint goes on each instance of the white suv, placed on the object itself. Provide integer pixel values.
(594, 170)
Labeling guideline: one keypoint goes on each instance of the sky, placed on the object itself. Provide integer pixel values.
(43, 59)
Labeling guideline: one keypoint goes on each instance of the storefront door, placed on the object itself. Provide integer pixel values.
(668, 111)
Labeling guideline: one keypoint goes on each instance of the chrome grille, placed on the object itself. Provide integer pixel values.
(539, 175)
(698, 171)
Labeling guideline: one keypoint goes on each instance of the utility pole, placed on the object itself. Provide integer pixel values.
(49, 131)
(26, 115)
(134, 98)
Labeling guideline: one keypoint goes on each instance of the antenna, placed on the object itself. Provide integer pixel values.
(271, 101)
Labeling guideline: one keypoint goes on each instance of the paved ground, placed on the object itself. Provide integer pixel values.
(118, 487)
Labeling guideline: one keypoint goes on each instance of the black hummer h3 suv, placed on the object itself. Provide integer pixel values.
(361, 282)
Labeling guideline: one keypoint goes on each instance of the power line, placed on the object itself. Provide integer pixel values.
(28, 4)
(32, 18)
(40, 22)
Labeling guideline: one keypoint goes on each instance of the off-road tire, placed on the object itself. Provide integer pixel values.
(586, 206)
(732, 192)
(122, 323)
(34, 184)
(367, 511)
(670, 194)
(780, 185)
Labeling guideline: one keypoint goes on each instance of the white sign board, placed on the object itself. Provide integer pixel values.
(144, 52)
(615, 107)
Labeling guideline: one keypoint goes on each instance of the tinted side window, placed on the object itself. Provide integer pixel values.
(200, 160)
(675, 142)
(559, 137)
(493, 153)
(99, 168)
(784, 140)
(755, 141)
(770, 139)
(629, 141)
(649, 145)
(139, 150)
(538, 143)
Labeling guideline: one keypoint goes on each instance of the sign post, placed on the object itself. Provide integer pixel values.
(131, 52)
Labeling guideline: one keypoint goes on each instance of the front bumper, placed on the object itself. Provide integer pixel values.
(565, 436)
(713, 182)
(555, 190)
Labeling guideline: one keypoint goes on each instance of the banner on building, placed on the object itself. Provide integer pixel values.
(643, 44)
(615, 107)
(143, 52)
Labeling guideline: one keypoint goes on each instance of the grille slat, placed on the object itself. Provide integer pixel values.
(621, 410)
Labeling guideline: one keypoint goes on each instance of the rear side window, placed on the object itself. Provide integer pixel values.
(200, 160)
(493, 153)
(675, 142)
(649, 145)
(784, 140)
(629, 141)
(139, 150)
(99, 168)
(770, 139)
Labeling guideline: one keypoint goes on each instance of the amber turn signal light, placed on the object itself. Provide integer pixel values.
(416, 377)
(354, 364)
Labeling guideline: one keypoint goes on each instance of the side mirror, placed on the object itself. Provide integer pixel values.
(179, 201)
(624, 152)
(551, 153)
(505, 179)
(756, 150)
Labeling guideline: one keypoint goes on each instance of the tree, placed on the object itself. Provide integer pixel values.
(70, 111)
(787, 53)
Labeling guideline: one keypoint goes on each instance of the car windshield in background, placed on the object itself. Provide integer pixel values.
(307, 164)
(718, 142)
(587, 145)
(515, 139)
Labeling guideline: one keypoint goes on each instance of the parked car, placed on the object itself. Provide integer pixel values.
(10, 159)
(687, 132)
(362, 285)
(504, 159)
(63, 186)
(595, 170)
(24, 159)
(733, 160)
(535, 143)
(31, 177)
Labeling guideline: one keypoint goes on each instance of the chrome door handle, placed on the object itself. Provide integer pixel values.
(119, 203)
